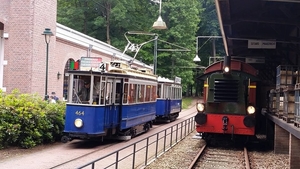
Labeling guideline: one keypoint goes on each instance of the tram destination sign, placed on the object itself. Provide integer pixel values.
(90, 63)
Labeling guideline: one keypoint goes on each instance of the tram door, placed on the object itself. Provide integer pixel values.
(113, 99)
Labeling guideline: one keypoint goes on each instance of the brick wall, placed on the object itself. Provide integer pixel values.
(281, 141)
(25, 49)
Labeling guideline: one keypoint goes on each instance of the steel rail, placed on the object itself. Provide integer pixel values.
(197, 157)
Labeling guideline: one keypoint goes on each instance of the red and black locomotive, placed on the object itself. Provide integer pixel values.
(229, 100)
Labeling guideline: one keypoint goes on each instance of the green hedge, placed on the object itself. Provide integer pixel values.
(26, 120)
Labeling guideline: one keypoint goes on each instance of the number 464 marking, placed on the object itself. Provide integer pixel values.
(79, 113)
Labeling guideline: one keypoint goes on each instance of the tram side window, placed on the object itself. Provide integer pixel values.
(179, 93)
(167, 92)
(125, 96)
(132, 93)
(148, 93)
(141, 93)
(153, 97)
(176, 93)
(159, 91)
(173, 93)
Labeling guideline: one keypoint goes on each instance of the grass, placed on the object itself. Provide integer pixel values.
(186, 102)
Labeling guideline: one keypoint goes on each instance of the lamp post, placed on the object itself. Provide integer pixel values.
(159, 23)
(197, 58)
(47, 33)
(155, 55)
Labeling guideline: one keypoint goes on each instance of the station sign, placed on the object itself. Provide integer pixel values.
(255, 60)
(261, 44)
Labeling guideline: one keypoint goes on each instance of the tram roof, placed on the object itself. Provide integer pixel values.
(118, 69)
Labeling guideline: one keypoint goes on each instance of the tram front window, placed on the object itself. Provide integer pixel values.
(86, 89)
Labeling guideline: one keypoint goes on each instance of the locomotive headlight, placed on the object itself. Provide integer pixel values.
(78, 123)
(250, 109)
(226, 69)
(200, 107)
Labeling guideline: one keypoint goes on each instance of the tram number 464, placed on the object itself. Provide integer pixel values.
(79, 113)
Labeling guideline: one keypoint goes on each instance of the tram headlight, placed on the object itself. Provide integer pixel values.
(78, 123)
(200, 107)
(251, 109)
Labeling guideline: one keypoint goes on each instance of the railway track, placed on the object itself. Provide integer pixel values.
(212, 158)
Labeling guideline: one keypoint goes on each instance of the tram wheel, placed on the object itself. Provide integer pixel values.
(133, 132)
(147, 127)
(65, 139)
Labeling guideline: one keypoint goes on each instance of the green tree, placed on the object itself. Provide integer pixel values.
(209, 26)
(182, 19)
(108, 20)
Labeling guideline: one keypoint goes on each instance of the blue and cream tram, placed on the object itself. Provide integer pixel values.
(169, 99)
(120, 102)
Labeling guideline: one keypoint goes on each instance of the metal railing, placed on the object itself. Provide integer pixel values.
(143, 152)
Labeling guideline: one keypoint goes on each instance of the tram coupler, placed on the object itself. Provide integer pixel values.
(225, 123)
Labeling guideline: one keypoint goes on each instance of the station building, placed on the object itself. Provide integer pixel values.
(23, 49)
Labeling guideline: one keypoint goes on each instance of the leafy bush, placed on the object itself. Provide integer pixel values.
(26, 120)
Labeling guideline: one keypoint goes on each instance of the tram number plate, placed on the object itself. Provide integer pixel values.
(79, 113)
